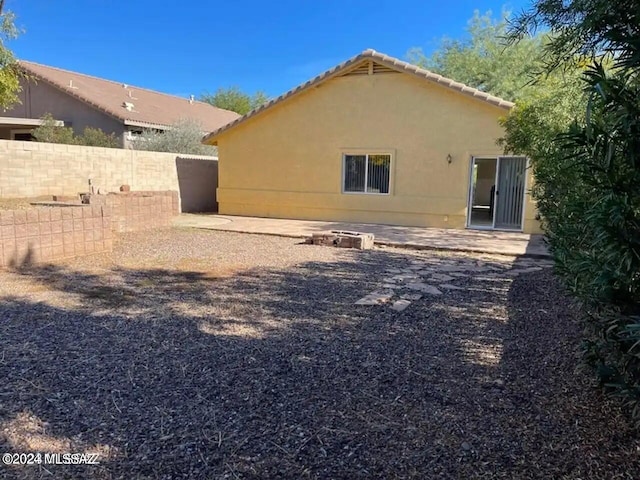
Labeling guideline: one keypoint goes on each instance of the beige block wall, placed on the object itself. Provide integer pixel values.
(139, 211)
(51, 233)
(287, 162)
(32, 169)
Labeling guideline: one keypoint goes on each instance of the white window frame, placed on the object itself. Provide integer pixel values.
(367, 152)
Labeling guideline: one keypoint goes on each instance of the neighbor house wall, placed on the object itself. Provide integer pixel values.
(38, 98)
(287, 162)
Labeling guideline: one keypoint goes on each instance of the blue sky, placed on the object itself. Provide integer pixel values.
(200, 46)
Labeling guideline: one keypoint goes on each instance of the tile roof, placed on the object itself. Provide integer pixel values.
(149, 108)
(377, 57)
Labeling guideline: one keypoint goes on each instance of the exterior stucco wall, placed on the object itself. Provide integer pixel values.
(287, 162)
(39, 98)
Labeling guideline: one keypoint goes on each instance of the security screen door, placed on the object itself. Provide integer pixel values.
(509, 194)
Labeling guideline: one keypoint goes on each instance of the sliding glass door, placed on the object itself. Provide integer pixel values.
(497, 193)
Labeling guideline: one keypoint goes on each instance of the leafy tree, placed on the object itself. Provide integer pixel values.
(583, 29)
(185, 136)
(484, 60)
(235, 100)
(588, 179)
(49, 132)
(9, 72)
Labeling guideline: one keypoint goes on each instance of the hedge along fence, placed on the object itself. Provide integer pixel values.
(33, 169)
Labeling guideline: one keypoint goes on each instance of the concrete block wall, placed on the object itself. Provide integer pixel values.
(137, 211)
(52, 233)
(32, 169)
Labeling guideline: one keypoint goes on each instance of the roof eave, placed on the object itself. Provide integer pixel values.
(137, 123)
(28, 122)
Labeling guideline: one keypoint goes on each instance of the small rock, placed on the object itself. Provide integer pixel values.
(366, 300)
(376, 298)
(466, 446)
(400, 305)
(411, 296)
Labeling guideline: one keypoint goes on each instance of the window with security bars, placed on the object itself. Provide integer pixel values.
(367, 173)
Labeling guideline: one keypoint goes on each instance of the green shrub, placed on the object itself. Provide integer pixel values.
(49, 132)
(184, 136)
(588, 177)
(587, 187)
(95, 137)
(595, 234)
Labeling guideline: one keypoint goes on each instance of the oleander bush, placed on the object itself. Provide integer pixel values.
(587, 175)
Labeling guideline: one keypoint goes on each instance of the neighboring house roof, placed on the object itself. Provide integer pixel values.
(131, 105)
(353, 64)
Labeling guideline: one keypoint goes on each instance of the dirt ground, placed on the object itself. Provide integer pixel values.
(203, 354)
(16, 203)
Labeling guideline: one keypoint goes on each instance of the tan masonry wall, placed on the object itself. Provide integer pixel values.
(45, 234)
(33, 169)
(52, 233)
(137, 211)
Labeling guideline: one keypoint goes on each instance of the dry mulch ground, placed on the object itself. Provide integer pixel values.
(16, 203)
(193, 354)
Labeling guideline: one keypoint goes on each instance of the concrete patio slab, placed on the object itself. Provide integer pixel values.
(492, 242)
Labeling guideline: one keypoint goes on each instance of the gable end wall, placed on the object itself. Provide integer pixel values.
(287, 162)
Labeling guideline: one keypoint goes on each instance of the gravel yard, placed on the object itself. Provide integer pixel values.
(204, 354)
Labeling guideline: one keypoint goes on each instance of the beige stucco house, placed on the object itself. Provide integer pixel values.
(376, 140)
(79, 101)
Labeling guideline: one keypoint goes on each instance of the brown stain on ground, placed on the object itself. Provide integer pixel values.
(207, 269)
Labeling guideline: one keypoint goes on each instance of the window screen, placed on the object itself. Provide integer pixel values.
(369, 173)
